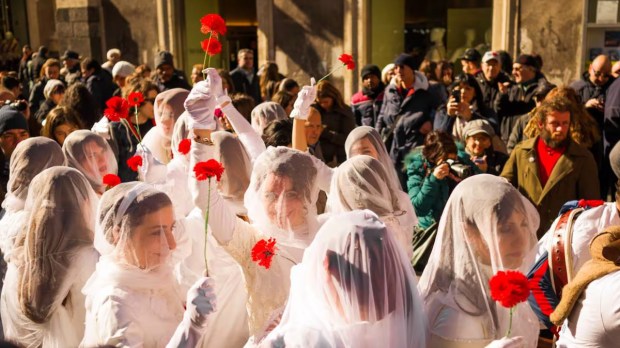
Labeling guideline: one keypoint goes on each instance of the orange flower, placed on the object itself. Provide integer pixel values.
(134, 162)
(111, 180)
(135, 99)
(208, 169)
(347, 60)
(213, 24)
(184, 146)
(211, 46)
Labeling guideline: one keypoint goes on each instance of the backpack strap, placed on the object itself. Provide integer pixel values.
(560, 252)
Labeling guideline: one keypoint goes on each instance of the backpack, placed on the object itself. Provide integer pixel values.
(549, 275)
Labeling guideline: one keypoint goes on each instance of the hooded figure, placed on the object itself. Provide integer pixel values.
(265, 113)
(89, 153)
(282, 196)
(487, 226)
(133, 298)
(30, 157)
(354, 288)
(42, 304)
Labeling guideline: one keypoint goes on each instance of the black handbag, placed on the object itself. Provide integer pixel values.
(423, 241)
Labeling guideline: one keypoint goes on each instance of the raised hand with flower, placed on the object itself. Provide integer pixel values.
(214, 26)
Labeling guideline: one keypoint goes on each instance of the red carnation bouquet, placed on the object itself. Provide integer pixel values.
(509, 288)
(263, 252)
(111, 180)
(347, 60)
(213, 25)
(206, 171)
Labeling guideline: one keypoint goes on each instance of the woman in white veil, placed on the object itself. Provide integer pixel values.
(359, 183)
(354, 288)
(91, 154)
(42, 303)
(486, 227)
(265, 113)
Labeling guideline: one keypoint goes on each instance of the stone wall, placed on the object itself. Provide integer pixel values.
(79, 29)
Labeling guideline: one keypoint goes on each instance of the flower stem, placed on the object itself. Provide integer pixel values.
(331, 72)
(204, 76)
(294, 263)
(207, 229)
(510, 321)
(204, 63)
(138, 130)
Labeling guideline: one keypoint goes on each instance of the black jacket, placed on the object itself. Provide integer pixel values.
(45, 109)
(365, 108)
(176, 81)
(490, 91)
(587, 90)
(242, 85)
(519, 100)
(101, 86)
(124, 145)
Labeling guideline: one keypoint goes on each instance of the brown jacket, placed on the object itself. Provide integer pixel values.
(573, 177)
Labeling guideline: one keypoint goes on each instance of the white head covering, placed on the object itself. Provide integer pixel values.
(265, 113)
(123, 68)
(236, 178)
(289, 214)
(169, 106)
(30, 157)
(49, 87)
(354, 288)
(487, 226)
(61, 206)
(180, 132)
(89, 153)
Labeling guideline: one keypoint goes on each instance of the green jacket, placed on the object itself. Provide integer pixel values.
(573, 177)
(428, 194)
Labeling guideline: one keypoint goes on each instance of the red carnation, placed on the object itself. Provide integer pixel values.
(208, 169)
(135, 99)
(509, 288)
(214, 24)
(218, 113)
(134, 162)
(264, 251)
(184, 146)
(117, 108)
(111, 180)
(211, 46)
(347, 60)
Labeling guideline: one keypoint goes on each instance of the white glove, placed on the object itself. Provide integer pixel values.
(305, 98)
(512, 342)
(102, 128)
(200, 301)
(201, 101)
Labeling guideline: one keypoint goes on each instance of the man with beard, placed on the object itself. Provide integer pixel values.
(366, 103)
(551, 169)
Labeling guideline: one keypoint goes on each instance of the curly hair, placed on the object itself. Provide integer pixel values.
(78, 98)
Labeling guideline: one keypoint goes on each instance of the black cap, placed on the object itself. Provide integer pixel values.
(11, 119)
(371, 69)
(408, 60)
(526, 59)
(70, 55)
(471, 55)
(163, 57)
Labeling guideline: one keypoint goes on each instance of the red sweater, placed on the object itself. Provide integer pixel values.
(548, 157)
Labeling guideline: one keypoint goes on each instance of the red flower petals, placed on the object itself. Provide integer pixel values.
(509, 288)
(347, 60)
(111, 180)
(264, 251)
(218, 113)
(213, 24)
(208, 169)
(117, 108)
(134, 162)
(211, 46)
(184, 146)
(135, 99)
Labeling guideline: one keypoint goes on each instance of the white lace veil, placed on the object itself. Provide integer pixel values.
(288, 213)
(265, 113)
(354, 288)
(235, 159)
(30, 157)
(61, 206)
(169, 106)
(180, 132)
(486, 226)
(90, 153)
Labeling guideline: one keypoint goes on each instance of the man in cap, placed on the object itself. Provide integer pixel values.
(167, 77)
(489, 79)
(471, 61)
(405, 116)
(114, 56)
(367, 102)
(479, 138)
(13, 129)
(551, 169)
(71, 67)
(244, 76)
(516, 99)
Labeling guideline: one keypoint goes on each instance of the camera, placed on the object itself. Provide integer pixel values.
(19, 105)
(459, 169)
(456, 94)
